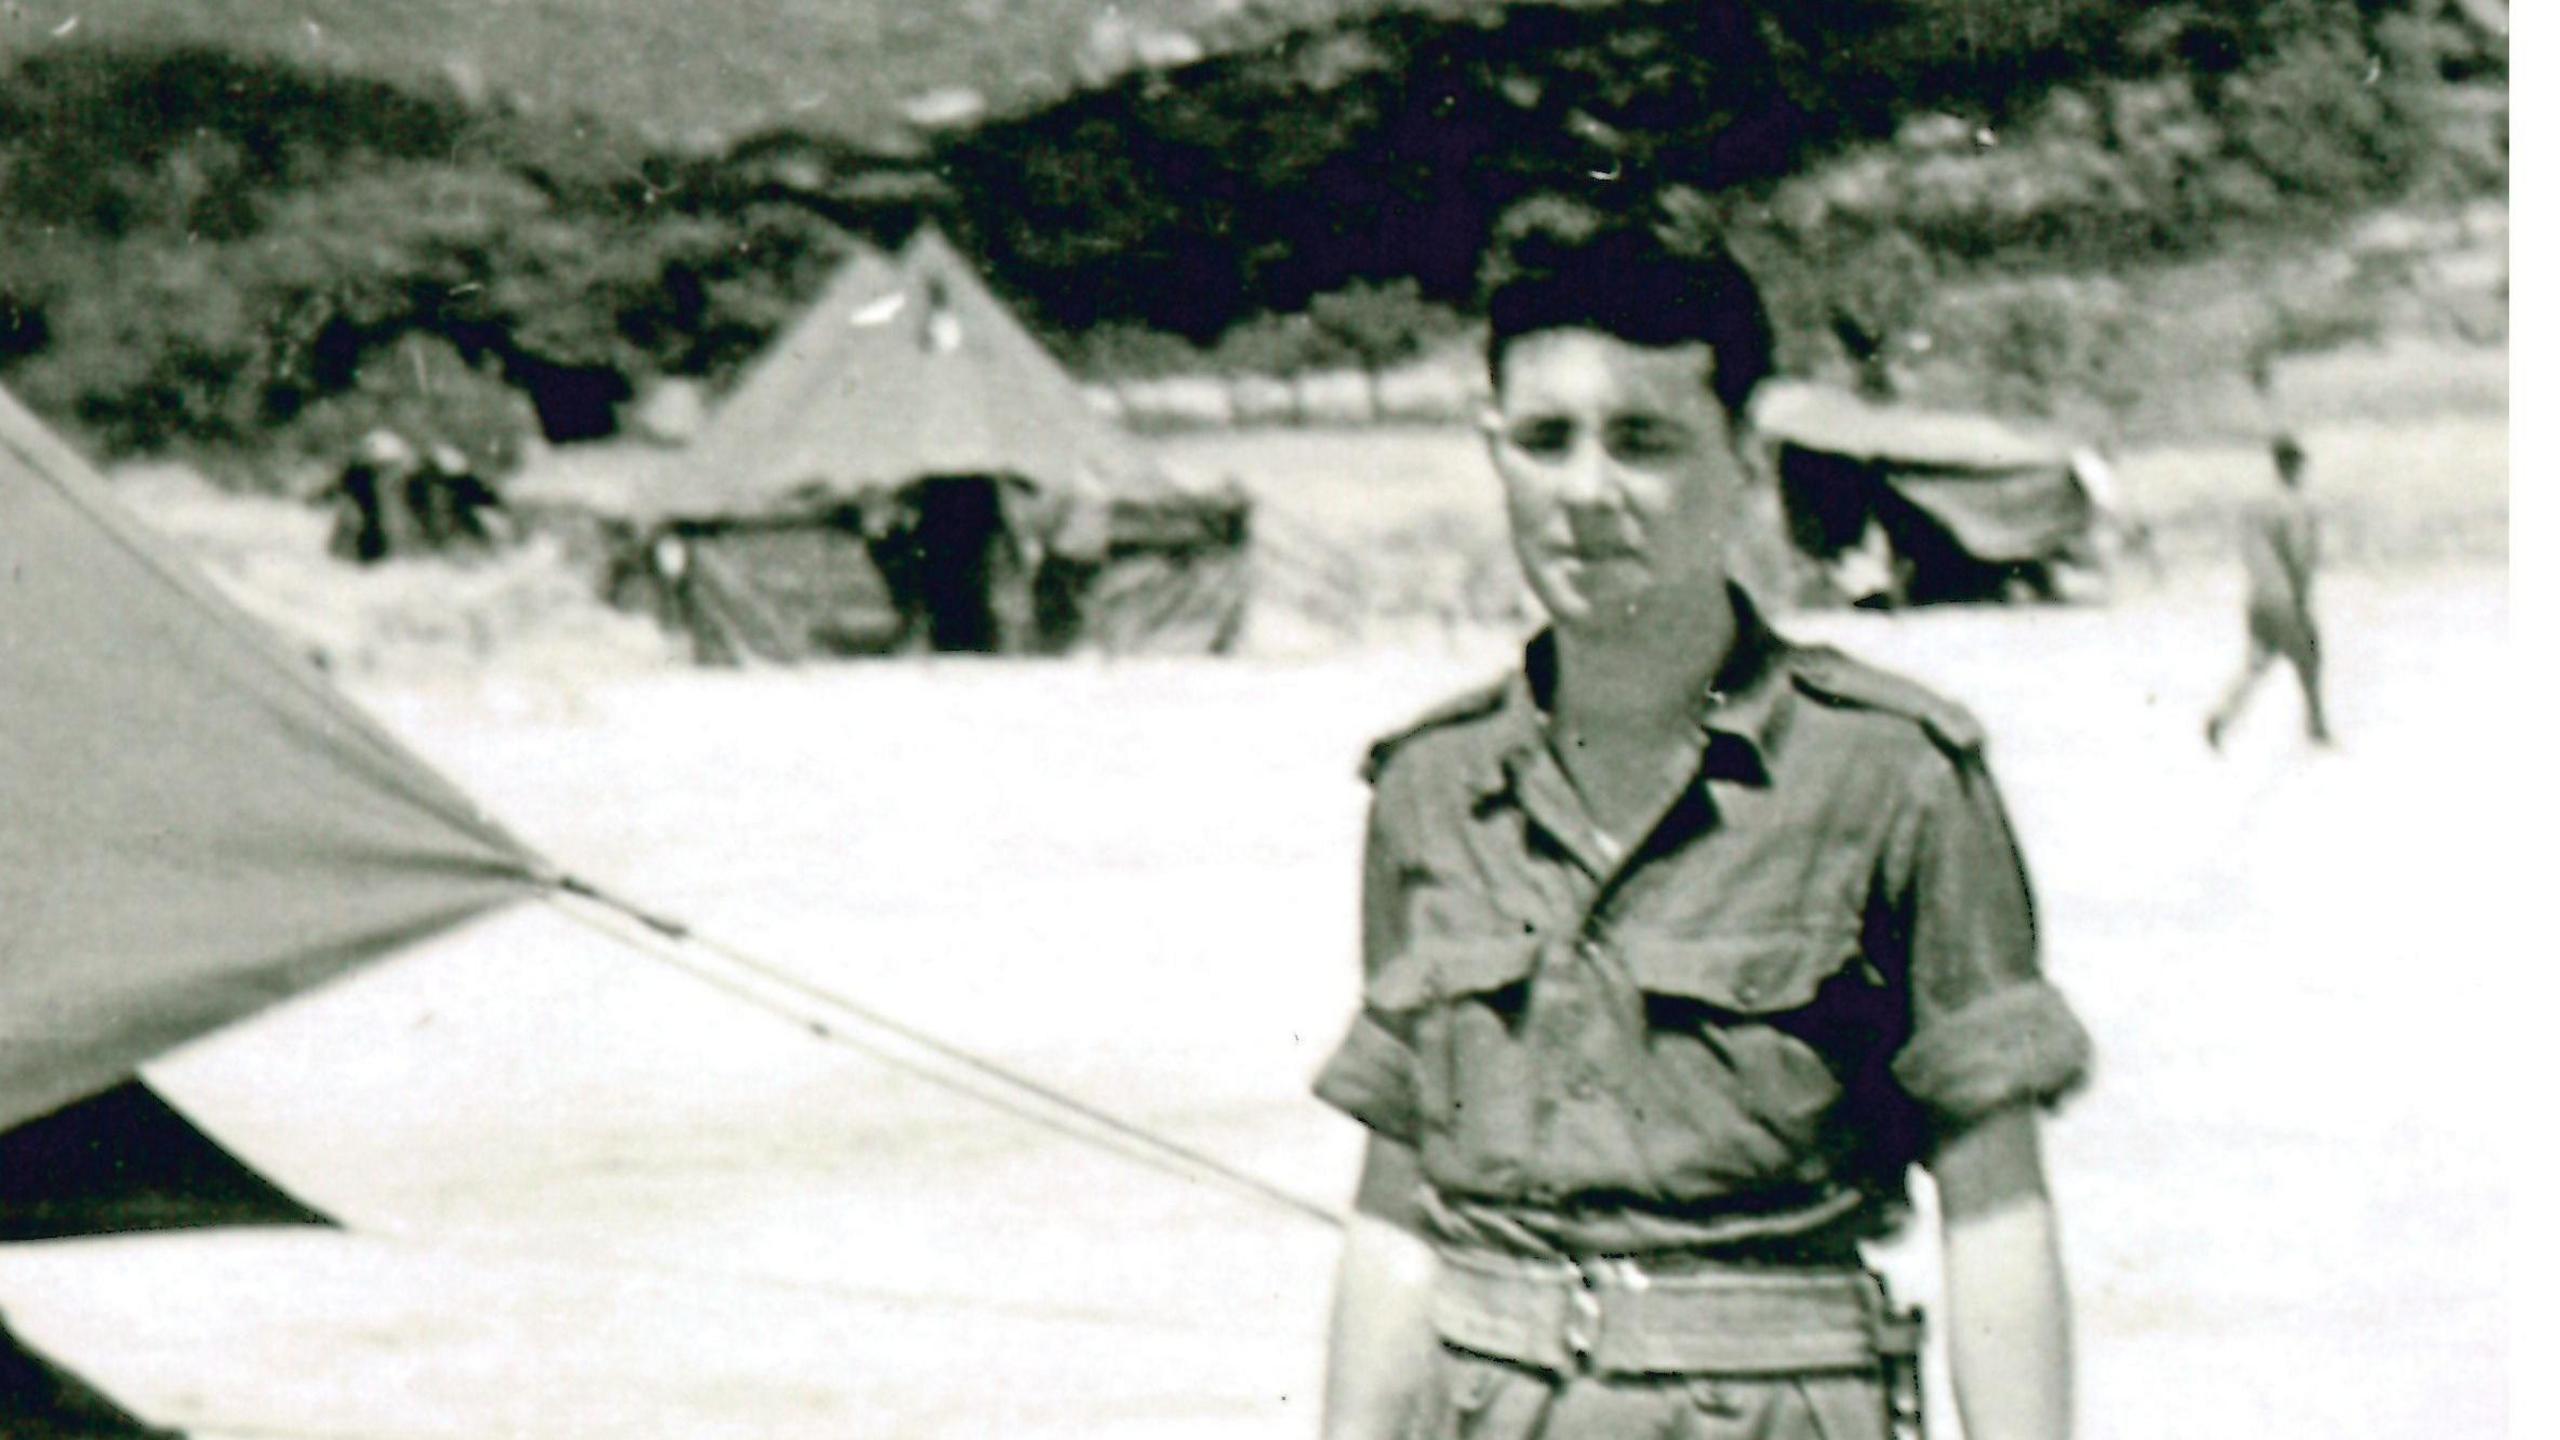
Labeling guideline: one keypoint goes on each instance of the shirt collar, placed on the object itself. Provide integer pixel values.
(1743, 706)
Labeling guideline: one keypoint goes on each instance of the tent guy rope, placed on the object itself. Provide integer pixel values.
(1125, 1138)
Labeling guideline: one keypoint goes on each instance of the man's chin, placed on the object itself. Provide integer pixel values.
(1587, 613)
(1606, 610)
(1582, 596)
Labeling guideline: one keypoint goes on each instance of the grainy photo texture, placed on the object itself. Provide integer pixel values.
(1517, 719)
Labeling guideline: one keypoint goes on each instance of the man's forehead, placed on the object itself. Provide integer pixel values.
(1591, 366)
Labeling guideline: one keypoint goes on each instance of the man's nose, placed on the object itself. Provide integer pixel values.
(1585, 479)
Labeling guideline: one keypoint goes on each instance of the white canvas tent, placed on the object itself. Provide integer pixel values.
(907, 467)
(1964, 504)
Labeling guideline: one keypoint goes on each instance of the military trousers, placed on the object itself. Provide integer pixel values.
(1476, 1397)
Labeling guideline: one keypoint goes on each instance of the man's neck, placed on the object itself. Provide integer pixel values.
(1648, 673)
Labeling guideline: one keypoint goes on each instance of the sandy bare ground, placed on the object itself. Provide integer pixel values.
(592, 1197)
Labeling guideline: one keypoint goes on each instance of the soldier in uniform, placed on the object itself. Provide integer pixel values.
(455, 508)
(2280, 547)
(371, 521)
(1683, 942)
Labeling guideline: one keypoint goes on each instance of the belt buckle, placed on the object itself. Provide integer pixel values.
(1582, 1317)
(1584, 1314)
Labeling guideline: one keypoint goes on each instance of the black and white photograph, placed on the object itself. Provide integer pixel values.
(1259, 719)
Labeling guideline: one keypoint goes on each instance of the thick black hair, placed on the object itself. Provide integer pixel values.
(1639, 270)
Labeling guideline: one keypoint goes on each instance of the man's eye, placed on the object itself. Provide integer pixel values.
(1543, 438)
(1645, 440)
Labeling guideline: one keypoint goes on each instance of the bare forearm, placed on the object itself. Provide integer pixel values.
(2008, 1316)
(2009, 1325)
(1382, 1336)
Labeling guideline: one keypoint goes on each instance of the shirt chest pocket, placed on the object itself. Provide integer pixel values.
(1773, 1022)
(1767, 1020)
(1457, 1001)
(1757, 973)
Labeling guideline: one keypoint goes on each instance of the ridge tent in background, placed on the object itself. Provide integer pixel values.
(905, 469)
(1966, 505)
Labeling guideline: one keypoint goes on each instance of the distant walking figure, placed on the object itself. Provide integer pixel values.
(2280, 545)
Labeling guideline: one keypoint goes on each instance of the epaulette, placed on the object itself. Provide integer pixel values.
(1834, 676)
(1467, 705)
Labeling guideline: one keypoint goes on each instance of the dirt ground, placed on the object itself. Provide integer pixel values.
(592, 1195)
(594, 1198)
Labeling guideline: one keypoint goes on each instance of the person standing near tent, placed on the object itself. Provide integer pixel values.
(2280, 548)
(2114, 533)
(455, 508)
(1682, 942)
(372, 520)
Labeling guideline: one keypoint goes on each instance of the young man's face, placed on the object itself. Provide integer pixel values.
(1622, 473)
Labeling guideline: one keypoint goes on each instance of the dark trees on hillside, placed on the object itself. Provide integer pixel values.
(200, 250)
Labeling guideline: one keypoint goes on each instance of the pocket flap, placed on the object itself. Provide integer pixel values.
(1757, 973)
(1450, 966)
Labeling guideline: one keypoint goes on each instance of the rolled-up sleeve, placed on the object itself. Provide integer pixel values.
(1988, 1030)
(1370, 1076)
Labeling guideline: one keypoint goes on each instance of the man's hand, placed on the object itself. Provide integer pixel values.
(1382, 1336)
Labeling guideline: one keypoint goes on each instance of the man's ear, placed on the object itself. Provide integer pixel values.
(1757, 452)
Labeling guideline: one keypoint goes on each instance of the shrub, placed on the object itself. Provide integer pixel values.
(1278, 344)
(1124, 349)
(1377, 324)
(425, 390)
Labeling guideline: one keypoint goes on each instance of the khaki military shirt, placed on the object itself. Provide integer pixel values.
(1737, 1035)
(2280, 549)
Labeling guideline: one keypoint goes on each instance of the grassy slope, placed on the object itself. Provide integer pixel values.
(683, 69)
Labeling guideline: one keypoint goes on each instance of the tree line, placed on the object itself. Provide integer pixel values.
(239, 258)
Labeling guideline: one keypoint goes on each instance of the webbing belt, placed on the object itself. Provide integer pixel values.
(1609, 1316)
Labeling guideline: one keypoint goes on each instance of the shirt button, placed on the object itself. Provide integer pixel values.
(1589, 947)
